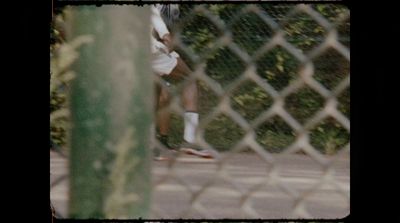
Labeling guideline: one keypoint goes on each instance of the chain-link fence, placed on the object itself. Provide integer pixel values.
(274, 105)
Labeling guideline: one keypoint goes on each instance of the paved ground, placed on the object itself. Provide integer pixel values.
(243, 187)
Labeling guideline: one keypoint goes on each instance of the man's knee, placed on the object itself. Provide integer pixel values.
(181, 70)
(164, 98)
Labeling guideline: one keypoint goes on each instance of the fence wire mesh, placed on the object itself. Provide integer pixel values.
(274, 84)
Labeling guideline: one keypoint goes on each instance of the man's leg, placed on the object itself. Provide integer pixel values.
(163, 115)
(190, 104)
(156, 150)
(162, 119)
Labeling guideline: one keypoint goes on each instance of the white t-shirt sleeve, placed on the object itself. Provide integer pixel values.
(158, 23)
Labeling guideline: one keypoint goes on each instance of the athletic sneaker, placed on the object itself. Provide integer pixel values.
(160, 158)
(192, 149)
(164, 140)
(158, 152)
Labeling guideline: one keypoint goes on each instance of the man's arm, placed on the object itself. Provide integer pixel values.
(167, 40)
(161, 29)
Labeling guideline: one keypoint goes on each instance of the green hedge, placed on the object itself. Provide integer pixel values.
(277, 67)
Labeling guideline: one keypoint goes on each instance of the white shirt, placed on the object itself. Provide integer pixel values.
(159, 26)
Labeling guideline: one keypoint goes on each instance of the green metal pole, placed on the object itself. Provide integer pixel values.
(111, 111)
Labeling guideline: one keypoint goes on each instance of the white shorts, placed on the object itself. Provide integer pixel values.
(163, 63)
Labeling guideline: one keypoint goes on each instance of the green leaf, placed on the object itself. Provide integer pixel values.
(280, 67)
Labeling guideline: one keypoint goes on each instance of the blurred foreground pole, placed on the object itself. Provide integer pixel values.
(111, 106)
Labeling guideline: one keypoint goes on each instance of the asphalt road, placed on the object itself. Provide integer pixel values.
(243, 186)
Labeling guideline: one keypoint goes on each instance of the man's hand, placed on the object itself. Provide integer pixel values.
(155, 35)
(167, 40)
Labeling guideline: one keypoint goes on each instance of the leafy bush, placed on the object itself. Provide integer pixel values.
(277, 67)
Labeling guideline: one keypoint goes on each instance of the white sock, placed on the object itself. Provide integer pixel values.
(191, 120)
